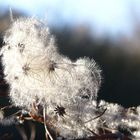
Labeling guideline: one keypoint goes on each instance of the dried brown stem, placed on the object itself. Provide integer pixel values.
(45, 126)
(96, 116)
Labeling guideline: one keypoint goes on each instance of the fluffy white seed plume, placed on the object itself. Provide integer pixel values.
(37, 73)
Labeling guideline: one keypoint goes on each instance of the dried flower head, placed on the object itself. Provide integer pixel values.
(35, 69)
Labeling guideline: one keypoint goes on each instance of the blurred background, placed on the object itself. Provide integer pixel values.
(106, 30)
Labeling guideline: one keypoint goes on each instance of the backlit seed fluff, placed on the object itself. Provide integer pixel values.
(38, 73)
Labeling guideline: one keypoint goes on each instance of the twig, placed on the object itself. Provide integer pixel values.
(96, 116)
(16, 113)
(6, 107)
(45, 126)
(92, 132)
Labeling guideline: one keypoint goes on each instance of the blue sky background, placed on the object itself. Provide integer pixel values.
(112, 16)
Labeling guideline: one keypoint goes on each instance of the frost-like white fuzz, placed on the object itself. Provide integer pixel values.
(120, 119)
(39, 76)
(37, 73)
